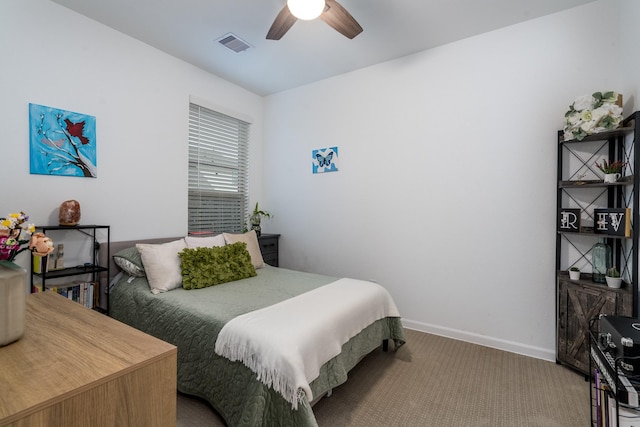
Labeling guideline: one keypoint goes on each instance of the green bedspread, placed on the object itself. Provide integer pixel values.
(192, 319)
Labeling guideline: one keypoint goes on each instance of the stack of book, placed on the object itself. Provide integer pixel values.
(40, 264)
(80, 292)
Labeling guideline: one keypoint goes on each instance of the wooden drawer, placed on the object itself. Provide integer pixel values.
(75, 367)
(269, 248)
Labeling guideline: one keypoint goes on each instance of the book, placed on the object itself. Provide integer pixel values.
(598, 395)
(92, 295)
(40, 264)
(83, 293)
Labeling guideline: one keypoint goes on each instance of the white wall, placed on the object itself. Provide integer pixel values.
(445, 193)
(140, 97)
(630, 60)
(441, 152)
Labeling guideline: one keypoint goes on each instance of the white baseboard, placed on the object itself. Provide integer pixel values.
(510, 346)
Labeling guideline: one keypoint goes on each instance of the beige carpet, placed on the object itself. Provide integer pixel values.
(435, 381)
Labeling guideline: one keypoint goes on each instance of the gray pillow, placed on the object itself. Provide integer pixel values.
(130, 261)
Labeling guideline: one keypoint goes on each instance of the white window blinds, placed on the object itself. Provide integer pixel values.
(218, 176)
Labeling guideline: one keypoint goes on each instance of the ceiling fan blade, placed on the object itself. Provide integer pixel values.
(281, 24)
(337, 16)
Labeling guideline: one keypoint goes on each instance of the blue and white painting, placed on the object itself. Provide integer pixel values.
(62, 142)
(325, 160)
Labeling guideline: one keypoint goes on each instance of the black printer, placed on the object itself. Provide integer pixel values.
(620, 337)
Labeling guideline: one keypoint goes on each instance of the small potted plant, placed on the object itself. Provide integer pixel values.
(256, 217)
(574, 273)
(612, 171)
(613, 278)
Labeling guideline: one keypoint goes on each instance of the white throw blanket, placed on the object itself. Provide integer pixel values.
(287, 343)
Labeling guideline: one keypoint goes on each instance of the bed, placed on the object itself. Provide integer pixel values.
(193, 320)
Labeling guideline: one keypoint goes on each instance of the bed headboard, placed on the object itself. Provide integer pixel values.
(118, 246)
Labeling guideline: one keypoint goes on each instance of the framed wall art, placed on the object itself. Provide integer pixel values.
(324, 160)
(62, 142)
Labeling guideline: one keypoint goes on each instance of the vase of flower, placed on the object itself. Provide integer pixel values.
(612, 170)
(256, 217)
(610, 178)
(13, 278)
(13, 282)
(11, 242)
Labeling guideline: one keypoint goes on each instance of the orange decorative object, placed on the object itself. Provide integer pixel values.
(40, 244)
(69, 213)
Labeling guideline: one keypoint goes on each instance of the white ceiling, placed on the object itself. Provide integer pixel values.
(311, 50)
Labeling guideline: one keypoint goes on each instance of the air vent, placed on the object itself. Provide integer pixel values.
(233, 42)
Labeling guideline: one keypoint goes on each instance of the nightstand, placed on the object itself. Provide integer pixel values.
(269, 248)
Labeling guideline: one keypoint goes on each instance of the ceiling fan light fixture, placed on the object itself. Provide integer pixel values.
(306, 9)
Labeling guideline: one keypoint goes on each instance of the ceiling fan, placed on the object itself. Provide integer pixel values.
(330, 11)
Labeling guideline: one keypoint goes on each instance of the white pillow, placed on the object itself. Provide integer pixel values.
(251, 239)
(162, 264)
(205, 242)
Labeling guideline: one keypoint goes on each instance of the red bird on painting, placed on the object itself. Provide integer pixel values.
(76, 129)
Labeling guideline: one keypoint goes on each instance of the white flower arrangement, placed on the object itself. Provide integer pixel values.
(591, 114)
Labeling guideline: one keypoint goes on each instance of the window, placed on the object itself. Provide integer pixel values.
(218, 176)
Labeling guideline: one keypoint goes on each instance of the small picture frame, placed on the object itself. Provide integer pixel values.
(324, 160)
(612, 221)
(569, 220)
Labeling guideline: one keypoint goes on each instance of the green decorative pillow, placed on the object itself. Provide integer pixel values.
(208, 266)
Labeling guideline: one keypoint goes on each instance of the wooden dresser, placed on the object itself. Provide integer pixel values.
(76, 367)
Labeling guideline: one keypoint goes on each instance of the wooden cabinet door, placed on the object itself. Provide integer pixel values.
(577, 304)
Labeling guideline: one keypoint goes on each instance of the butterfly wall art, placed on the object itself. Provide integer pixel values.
(324, 160)
(62, 142)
